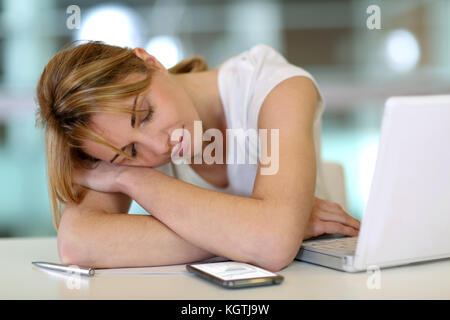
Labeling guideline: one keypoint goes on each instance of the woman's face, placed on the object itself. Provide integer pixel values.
(165, 107)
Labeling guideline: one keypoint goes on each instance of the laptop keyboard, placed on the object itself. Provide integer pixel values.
(339, 247)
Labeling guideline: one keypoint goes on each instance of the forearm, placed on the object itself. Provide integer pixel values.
(107, 240)
(239, 228)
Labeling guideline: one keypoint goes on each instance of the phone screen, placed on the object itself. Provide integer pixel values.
(234, 274)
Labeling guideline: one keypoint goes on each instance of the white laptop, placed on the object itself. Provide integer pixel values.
(407, 216)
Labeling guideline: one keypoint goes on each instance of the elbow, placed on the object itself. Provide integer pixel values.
(275, 244)
(66, 251)
(279, 259)
(71, 249)
(278, 252)
(70, 252)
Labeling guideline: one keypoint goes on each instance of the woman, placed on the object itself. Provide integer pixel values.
(110, 115)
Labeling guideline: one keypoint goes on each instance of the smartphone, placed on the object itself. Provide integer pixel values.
(232, 274)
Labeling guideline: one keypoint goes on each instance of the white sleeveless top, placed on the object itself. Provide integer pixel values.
(244, 81)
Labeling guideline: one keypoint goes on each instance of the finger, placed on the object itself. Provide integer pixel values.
(341, 217)
(330, 206)
(351, 221)
(324, 215)
(336, 213)
(335, 227)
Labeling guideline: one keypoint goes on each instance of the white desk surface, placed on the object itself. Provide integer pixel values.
(20, 280)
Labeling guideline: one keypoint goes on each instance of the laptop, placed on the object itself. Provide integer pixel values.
(407, 215)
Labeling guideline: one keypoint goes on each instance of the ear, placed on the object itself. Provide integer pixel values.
(148, 58)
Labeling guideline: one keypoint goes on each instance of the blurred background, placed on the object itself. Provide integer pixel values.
(357, 59)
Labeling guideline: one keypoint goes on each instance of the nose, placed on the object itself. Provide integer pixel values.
(151, 146)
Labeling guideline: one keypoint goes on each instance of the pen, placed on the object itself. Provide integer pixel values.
(88, 272)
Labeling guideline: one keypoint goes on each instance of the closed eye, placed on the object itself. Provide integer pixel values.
(149, 115)
(145, 119)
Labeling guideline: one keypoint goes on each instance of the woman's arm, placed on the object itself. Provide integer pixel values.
(226, 225)
(266, 229)
(99, 233)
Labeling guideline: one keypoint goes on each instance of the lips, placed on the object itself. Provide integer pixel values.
(178, 148)
(180, 153)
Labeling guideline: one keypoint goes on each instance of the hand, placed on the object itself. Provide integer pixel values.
(102, 177)
(329, 217)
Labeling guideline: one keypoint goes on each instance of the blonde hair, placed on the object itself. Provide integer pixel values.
(76, 82)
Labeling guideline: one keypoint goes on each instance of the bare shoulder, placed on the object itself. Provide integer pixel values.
(296, 97)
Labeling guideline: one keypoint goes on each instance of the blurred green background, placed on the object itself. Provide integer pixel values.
(357, 68)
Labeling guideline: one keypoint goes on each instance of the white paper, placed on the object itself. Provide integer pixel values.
(176, 269)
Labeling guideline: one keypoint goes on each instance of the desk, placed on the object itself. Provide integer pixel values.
(20, 280)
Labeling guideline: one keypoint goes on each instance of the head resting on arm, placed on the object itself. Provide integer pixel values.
(77, 82)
